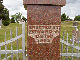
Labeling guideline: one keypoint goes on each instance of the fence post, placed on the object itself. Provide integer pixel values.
(78, 50)
(11, 45)
(17, 42)
(67, 47)
(72, 45)
(62, 46)
(0, 54)
(5, 47)
(23, 40)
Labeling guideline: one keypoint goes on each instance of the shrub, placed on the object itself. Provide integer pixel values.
(6, 22)
(12, 20)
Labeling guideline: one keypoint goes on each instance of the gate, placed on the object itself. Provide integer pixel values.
(69, 48)
(12, 51)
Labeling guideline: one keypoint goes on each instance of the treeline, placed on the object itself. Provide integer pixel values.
(64, 17)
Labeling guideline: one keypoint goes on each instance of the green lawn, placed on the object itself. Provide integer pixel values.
(65, 27)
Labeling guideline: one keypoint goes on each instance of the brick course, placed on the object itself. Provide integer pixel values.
(52, 2)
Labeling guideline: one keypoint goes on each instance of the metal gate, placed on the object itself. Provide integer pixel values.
(70, 50)
(12, 51)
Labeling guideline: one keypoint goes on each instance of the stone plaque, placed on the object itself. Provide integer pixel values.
(43, 33)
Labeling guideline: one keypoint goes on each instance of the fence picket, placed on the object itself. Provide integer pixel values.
(62, 46)
(23, 40)
(11, 45)
(67, 47)
(72, 45)
(0, 54)
(17, 42)
(78, 50)
(5, 46)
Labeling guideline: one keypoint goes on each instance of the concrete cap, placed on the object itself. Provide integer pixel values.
(45, 2)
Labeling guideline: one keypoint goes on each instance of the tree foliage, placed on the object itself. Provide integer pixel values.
(1, 11)
(4, 15)
(23, 18)
(64, 17)
(12, 20)
(17, 17)
(5, 19)
(6, 22)
(77, 18)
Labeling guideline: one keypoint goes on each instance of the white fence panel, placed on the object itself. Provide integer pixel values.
(17, 51)
(72, 45)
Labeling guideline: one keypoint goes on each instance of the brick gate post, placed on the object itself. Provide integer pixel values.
(43, 29)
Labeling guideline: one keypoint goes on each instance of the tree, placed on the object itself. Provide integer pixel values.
(77, 18)
(64, 17)
(4, 15)
(17, 16)
(24, 18)
(12, 20)
(6, 20)
(1, 10)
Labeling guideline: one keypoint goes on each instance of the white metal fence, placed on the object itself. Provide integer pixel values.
(17, 51)
(71, 48)
(73, 45)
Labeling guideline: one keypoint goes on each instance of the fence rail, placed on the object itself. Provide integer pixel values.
(17, 51)
(68, 44)
(10, 41)
(11, 51)
(70, 54)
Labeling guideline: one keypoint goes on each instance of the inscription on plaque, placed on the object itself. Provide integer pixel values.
(43, 33)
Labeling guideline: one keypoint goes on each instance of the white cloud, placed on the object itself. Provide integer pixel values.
(71, 9)
(15, 6)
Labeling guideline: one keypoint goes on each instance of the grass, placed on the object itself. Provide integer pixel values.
(65, 27)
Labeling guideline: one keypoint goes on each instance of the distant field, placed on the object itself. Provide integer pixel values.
(65, 27)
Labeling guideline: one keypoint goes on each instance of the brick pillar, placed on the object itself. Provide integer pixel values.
(43, 29)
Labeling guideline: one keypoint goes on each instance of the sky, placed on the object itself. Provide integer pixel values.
(71, 8)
